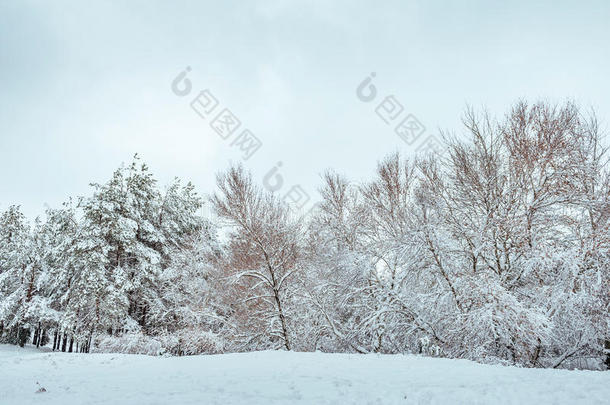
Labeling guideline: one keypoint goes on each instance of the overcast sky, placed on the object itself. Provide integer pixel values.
(86, 85)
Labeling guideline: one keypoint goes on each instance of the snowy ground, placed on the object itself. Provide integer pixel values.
(283, 377)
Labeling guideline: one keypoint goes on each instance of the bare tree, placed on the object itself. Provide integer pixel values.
(263, 255)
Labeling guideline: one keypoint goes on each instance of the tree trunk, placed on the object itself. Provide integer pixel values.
(282, 319)
(607, 346)
(35, 338)
(44, 338)
(22, 336)
(64, 343)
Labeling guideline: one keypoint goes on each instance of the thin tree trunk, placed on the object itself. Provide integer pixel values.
(607, 346)
(282, 319)
(64, 343)
(45, 337)
(40, 334)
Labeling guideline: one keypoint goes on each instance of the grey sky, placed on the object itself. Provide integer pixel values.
(86, 85)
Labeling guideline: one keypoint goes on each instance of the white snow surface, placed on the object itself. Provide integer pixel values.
(283, 378)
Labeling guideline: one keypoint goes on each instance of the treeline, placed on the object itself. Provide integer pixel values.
(496, 251)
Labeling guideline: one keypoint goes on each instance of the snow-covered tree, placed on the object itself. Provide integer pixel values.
(263, 257)
(22, 276)
(498, 251)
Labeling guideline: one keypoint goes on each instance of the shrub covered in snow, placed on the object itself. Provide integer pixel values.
(131, 343)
